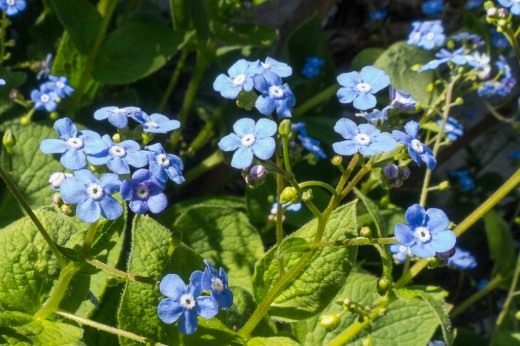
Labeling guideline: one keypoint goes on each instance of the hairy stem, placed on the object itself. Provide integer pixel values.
(119, 273)
(359, 241)
(497, 281)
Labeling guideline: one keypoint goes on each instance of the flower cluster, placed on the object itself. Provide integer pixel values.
(307, 142)
(502, 84)
(92, 194)
(205, 295)
(50, 93)
(427, 35)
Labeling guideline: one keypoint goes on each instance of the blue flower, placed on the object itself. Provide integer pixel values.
(427, 35)
(144, 193)
(400, 252)
(457, 57)
(309, 143)
(158, 123)
(515, 155)
(12, 7)
(432, 7)
(240, 77)
(60, 85)
(471, 4)
(2, 82)
(45, 67)
(272, 66)
(464, 179)
(250, 139)
(464, 37)
(184, 302)
(452, 129)
(274, 95)
(402, 100)
(426, 232)
(418, 151)
(360, 87)
(365, 139)
(513, 5)
(76, 146)
(118, 117)
(312, 66)
(164, 165)
(120, 156)
(45, 98)
(93, 196)
(375, 115)
(217, 283)
(462, 260)
(503, 86)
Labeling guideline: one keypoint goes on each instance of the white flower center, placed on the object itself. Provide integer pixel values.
(275, 91)
(75, 143)
(363, 87)
(45, 98)
(417, 36)
(187, 301)
(362, 138)
(248, 140)
(217, 285)
(60, 84)
(95, 191)
(152, 124)
(10, 2)
(448, 128)
(417, 146)
(162, 160)
(430, 36)
(423, 234)
(239, 80)
(118, 151)
(142, 192)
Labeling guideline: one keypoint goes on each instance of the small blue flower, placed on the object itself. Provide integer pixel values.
(312, 66)
(184, 302)
(464, 179)
(118, 117)
(45, 98)
(457, 57)
(417, 150)
(158, 123)
(377, 15)
(360, 87)
(427, 35)
(432, 7)
(472, 4)
(45, 68)
(144, 193)
(76, 146)
(467, 37)
(164, 165)
(217, 283)
(60, 85)
(426, 232)
(272, 66)
(462, 260)
(12, 7)
(452, 129)
(513, 5)
(93, 196)
(402, 100)
(120, 156)
(400, 252)
(309, 143)
(365, 139)
(503, 86)
(2, 82)
(274, 96)
(250, 139)
(375, 115)
(240, 77)
(499, 40)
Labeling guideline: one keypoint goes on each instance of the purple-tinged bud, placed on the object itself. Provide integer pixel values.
(402, 100)
(56, 199)
(57, 178)
(257, 172)
(445, 256)
(391, 171)
(502, 13)
(404, 172)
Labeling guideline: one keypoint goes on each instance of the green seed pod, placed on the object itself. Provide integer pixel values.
(9, 141)
(336, 160)
(383, 285)
(329, 321)
(517, 315)
(285, 128)
(289, 195)
(365, 232)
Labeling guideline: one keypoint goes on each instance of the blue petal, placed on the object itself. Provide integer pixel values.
(225, 299)
(347, 147)
(229, 143)
(346, 128)
(73, 191)
(169, 310)
(195, 286)
(118, 120)
(244, 126)
(117, 165)
(346, 95)
(188, 322)
(415, 216)
(239, 67)
(207, 307)
(349, 79)
(88, 211)
(110, 208)
(157, 203)
(73, 159)
(443, 241)
(365, 101)
(429, 160)
(242, 158)
(86, 177)
(412, 128)
(110, 182)
(263, 148)
(65, 128)
(172, 286)
(401, 137)
(127, 190)
(384, 142)
(265, 128)
(404, 234)
(423, 250)
(95, 146)
(375, 77)
(102, 113)
(138, 206)
(53, 146)
(225, 86)
(265, 105)
(437, 220)
(137, 159)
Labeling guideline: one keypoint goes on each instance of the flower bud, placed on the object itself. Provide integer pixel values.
(445, 256)
(329, 321)
(67, 209)
(15, 94)
(57, 178)
(444, 185)
(383, 285)
(116, 137)
(289, 195)
(491, 12)
(502, 13)
(147, 137)
(336, 160)
(459, 101)
(307, 195)
(365, 232)
(54, 115)
(404, 172)
(285, 128)
(56, 199)
(257, 172)
(9, 141)
(391, 171)
(517, 315)
(25, 120)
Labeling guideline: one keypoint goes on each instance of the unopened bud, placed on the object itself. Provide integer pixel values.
(285, 128)
(404, 172)
(307, 195)
(346, 303)
(365, 232)
(391, 171)
(14, 94)
(336, 160)
(116, 137)
(459, 101)
(517, 315)
(257, 172)
(444, 185)
(289, 195)
(430, 87)
(9, 141)
(491, 12)
(502, 13)
(329, 321)
(57, 178)
(54, 115)
(56, 199)
(67, 209)
(147, 137)
(501, 23)
(383, 285)
(25, 120)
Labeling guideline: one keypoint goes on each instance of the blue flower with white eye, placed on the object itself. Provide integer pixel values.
(272, 66)
(250, 139)
(120, 156)
(503, 86)
(426, 232)
(45, 98)
(275, 95)
(462, 260)
(144, 193)
(118, 117)
(157, 123)
(217, 283)
(464, 179)
(375, 115)
(432, 7)
(92, 196)
(427, 35)
(457, 57)
(400, 252)
(401, 100)
(239, 77)
(184, 303)
(360, 87)
(365, 139)
(75, 146)
(60, 85)
(312, 66)
(513, 5)
(12, 7)
(417, 150)
(165, 166)
(452, 129)
(309, 143)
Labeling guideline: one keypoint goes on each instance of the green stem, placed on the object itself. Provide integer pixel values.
(174, 79)
(106, 328)
(27, 209)
(316, 100)
(58, 291)
(349, 333)
(208, 163)
(359, 241)
(322, 184)
(89, 239)
(119, 273)
(497, 281)
(509, 299)
(279, 209)
(3, 29)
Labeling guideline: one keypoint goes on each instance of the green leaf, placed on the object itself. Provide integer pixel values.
(68, 60)
(192, 14)
(500, 242)
(324, 274)
(224, 236)
(134, 51)
(273, 341)
(81, 20)
(366, 57)
(27, 267)
(30, 169)
(21, 329)
(507, 338)
(397, 61)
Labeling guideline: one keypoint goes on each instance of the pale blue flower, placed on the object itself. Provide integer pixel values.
(452, 129)
(457, 57)
(427, 35)
(216, 282)
(165, 166)
(402, 100)
(275, 95)
(360, 87)
(120, 156)
(158, 123)
(375, 116)
(239, 77)
(272, 66)
(309, 143)
(365, 139)
(400, 252)
(118, 117)
(12, 7)
(513, 5)
(60, 85)
(45, 98)
(462, 260)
